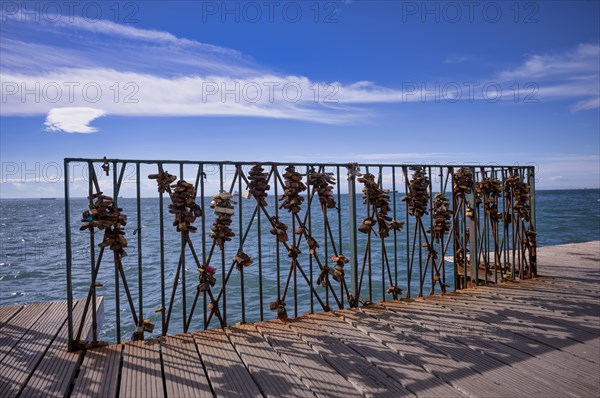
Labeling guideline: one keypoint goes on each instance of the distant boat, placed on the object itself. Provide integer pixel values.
(47, 198)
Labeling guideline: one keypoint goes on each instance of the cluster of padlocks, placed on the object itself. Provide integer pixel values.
(322, 184)
(441, 216)
(488, 192)
(104, 215)
(418, 195)
(184, 206)
(223, 207)
(292, 200)
(258, 184)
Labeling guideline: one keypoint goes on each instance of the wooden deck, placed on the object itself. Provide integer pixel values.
(531, 338)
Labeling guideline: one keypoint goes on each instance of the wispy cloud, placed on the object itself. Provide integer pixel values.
(593, 103)
(457, 59)
(570, 74)
(127, 71)
(583, 59)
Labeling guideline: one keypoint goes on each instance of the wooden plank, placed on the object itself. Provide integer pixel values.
(563, 289)
(533, 327)
(442, 324)
(587, 310)
(227, 374)
(578, 325)
(99, 373)
(415, 350)
(322, 379)
(365, 377)
(19, 325)
(578, 292)
(514, 382)
(141, 374)
(273, 375)
(18, 365)
(7, 312)
(182, 368)
(563, 317)
(495, 342)
(540, 294)
(412, 377)
(583, 314)
(52, 377)
(528, 340)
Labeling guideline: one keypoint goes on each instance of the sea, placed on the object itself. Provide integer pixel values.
(33, 258)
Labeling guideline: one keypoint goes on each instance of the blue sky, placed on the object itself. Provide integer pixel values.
(381, 81)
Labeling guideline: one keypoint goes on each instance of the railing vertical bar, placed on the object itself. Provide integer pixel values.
(120, 180)
(139, 245)
(421, 277)
(465, 243)
(92, 255)
(339, 209)
(340, 244)
(162, 258)
(183, 284)
(432, 289)
(260, 265)
(418, 232)
(486, 233)
(504, 225)
(325, 245)
(69, 259)
(512, 223)
(352, 170)
(223, 277)
(370, 257)
(532, 220)
(407, 224)
(310, 256)
(383, 259)
(295, 266)
(395, 231)
(203, 224)
(117, 298)
(194, 254)
(474, 234)
(277, 258)
(443, 182)
(455, 227)
(494, 231)
(241, 243)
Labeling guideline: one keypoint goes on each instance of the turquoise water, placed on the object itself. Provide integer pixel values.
(32, 255)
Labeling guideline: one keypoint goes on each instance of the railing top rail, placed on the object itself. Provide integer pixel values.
(270, 163)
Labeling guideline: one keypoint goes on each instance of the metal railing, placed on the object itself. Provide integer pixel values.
(257, 236)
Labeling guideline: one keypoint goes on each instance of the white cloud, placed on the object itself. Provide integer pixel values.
(128, 71)
(138, 94)
(72, 120)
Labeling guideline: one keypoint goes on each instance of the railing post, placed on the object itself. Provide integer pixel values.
(532, 221)
(68, 258)
(352, 171)
(474, 233)
(139, 245)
